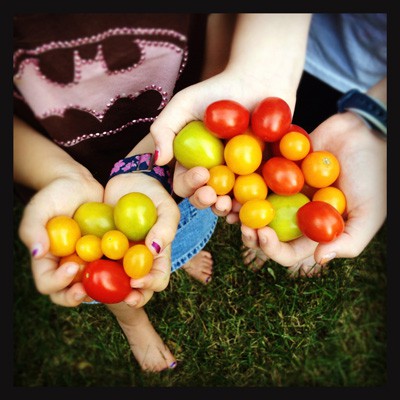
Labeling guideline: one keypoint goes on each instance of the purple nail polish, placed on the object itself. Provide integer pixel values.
(156, 247)
(34, 252)
(208, 279)
(173, 365)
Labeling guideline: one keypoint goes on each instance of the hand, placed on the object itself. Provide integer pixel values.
(158, 239)
(362, 156)
(61, 196)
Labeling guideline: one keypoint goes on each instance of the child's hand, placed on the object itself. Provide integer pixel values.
(158, 239)
(62, 196)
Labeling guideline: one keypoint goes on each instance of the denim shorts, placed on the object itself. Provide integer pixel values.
(195, 229)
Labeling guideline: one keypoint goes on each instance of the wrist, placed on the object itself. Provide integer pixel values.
(144, 163)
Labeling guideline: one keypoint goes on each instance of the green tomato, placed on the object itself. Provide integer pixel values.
(196, 146)
(284, 222)
(135, 214)
(95, 218)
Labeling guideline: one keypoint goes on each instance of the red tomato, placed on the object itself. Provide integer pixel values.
(106, 281)
(226, 118)
(282, 176)
(320, 221)
(271, 119)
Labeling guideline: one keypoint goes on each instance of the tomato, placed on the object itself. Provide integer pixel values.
(282, 176)
(114, 244)
(333, 196)
(226, 118)
(134, 215)
(106, 281)
(243, 154)
(221, 179)
(294, 146)
(284, 222)
(320, 221)
(76, 259)
(63, 233)
(320, 168)
(94, 218)
(251, 186)
(271, 119)
(195, 145)
(276, 152)
(138, 261)
(259, 140)
(88, 247)
(256, 213)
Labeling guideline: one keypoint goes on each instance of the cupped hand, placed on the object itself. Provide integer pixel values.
(158, 239)
(61, 197)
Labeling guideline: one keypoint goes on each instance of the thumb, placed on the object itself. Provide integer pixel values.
(168, 124)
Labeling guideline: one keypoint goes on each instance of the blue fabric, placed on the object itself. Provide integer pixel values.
(194, 231)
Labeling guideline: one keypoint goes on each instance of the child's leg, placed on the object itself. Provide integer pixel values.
(148, 348)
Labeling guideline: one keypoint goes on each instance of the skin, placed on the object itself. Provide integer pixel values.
(361, 153)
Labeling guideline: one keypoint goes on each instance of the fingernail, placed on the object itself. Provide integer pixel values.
(72, 270)
(137, 285)
(327, 257)
(156, 247)
(208, 279)
(156, 155)
(173, 365)
(79, 296)
(36, 250)
(131, 303)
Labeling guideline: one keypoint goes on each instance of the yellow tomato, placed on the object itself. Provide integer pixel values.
(88, 247)
(294, 146)
(256, 213)
(221, 179)
(114, 244)
(333, 196)
(63, 233)
(138, 261)
(251, 186)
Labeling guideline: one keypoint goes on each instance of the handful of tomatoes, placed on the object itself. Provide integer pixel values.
(268, 165)
(107, 242)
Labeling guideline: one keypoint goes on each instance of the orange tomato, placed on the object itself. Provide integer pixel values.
(221, 179)
(114, 244)
(294, 146)
(320, 168)
(256, 213)
(63, 233)
(137, 261)
(333, 196)
(251, 186)
(243, 154)
(76, 259)
(88, 247)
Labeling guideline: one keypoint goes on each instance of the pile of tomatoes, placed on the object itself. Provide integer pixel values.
(107, 242)
(268, 165)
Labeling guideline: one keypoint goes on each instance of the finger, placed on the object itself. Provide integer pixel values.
(70, 296)
(186, 181)
(222, 206)
(249, 237)
(169, 122)
(284, 253)
(203, 197)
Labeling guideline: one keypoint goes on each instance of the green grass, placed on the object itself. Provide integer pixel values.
(245, 329)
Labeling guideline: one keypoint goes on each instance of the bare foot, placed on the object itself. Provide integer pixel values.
(200, 266)
(147, 346)
(253, 258)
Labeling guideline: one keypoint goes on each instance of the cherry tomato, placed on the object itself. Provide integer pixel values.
(138, 261)
(134, 215)
(76, 259)
(251, 186)
(106, 281)
(243, 154)
(88, 247)
(94, 218)
(276, 152)
(320, 168)
(221, 179)
(282, 176)
(226, 118)
(63, 233)
(294, 146)
(256, 213)
(320, 221)
(333, 196)
(271, 119)
(114, 244)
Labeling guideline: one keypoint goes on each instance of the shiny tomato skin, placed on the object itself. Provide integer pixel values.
(282, 176)
(106, 281)
(271, 119)
(276, 152)
(320, 221)
(226, 118)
